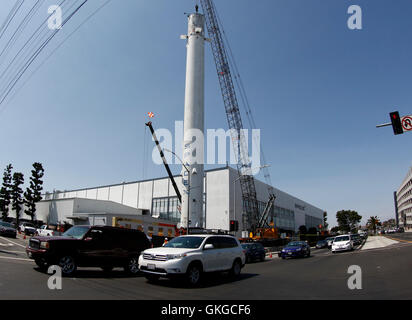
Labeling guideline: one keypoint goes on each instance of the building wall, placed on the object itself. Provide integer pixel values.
(404, 199)
(223, 200)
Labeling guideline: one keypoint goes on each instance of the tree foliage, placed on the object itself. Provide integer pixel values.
(33, 192)
(373, 223)
(16, 194)
(5, 192)
(325, 219)
(348, 220)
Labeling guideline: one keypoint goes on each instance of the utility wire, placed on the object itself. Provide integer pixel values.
(58, 47)
(32, 43)
(20, 28)
(10, 17)
(36, 53)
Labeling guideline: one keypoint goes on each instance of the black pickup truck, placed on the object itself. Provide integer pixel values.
(90, 246)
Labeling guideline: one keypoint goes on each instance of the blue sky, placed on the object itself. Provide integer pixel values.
(317, 90)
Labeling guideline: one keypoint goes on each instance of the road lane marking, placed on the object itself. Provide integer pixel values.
(401, 240)
(21, 259)
(17, 244)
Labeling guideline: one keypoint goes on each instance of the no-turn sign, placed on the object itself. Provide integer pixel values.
(406, 123)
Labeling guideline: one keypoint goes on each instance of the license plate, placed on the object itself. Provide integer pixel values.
(289, 253)
(151, 266)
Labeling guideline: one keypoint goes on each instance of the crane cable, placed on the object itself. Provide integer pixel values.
(244, 98)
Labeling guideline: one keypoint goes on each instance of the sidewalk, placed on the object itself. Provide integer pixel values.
(374, 242)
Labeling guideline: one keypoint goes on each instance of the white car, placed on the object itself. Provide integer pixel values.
(27, 228)
(192, 255)
(342, 243)
(44, 232)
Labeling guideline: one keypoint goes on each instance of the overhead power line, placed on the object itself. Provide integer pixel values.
(32, 58)
(58, 47)
(10, 17)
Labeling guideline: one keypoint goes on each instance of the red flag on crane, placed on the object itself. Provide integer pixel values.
(151, 114)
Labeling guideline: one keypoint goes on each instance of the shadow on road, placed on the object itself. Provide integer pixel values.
(208, 281)
(97, 274)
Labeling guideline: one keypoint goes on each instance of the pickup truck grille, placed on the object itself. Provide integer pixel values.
(35, 244)
(156, 257)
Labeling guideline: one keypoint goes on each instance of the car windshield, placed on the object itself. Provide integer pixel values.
(321, 241)
(185, 242)
(344, 238)
(5, 224)
(76, 232)
(247, 245)
(295, 243)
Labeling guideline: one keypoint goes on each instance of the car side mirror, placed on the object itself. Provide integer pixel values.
(208, 246)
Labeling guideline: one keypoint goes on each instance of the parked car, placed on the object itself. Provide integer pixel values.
(330, 241)
(192, 255)
(295, 249)
(27, 228)
(7, 230)
(44, 231)
(342, 243)
(254, 251)
(356, 239)
(321, 244)
(90, 246)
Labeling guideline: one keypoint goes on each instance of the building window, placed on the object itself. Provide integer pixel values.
(166, 209)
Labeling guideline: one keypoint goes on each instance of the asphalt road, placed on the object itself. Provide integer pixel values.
(385, 275)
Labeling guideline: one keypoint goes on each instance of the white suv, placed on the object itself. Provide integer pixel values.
(342, 243)
(191, 256)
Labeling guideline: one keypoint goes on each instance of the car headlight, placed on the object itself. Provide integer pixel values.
(298, 249)
(44, 245)
(176, 256)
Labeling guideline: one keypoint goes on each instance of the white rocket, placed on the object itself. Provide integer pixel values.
(193, 144)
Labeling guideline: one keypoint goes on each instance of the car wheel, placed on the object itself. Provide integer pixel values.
(236, 268)
(67, 264)
(308, 254)
(193, 275)
(262, 258)
(283, 258)
(152, 278)
(132, 266)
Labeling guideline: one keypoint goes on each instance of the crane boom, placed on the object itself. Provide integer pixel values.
(169, 172)
(234, 119)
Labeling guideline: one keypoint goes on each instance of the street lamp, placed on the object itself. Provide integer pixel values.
(234, 189)
(188, 181)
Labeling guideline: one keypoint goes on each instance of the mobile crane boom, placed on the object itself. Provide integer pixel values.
(172, 179)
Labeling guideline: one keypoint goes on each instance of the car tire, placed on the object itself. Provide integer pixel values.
(283, 258)
(194, 275)
(262, 258)
(132, 266)
(236, 269)
(68, 265)
(308, 254)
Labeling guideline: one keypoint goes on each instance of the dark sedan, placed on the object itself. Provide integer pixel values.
(254, 251)
(295, 249)
(321, 244)
(7, 230)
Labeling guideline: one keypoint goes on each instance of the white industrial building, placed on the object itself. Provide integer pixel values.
(404, 202)
(157, 198)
